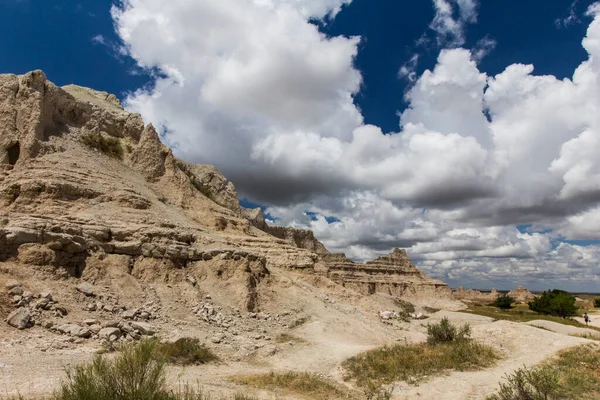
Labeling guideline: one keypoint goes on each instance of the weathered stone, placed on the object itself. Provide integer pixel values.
(129, 314)
(111, 334)
(16, 291)
(20, 318)
(86, 289)
(46, 295)
(74, 330)
(143, 327)
(12, 284)
(385, 315)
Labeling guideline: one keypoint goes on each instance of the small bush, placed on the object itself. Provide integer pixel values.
(597, 302)
(186, 351)
(302, 383)
(504, 301)
(530, 384)
(445, 332)
(574, 374)
(135, 374)
(107, 145)
(556, 302)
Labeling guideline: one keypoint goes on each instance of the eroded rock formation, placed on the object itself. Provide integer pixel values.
(84, 183)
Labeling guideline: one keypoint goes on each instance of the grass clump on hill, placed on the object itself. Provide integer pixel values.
(186, 351)
(106, 144)
(137, 372)
(301, 383)
(574, 374)
(448, 347)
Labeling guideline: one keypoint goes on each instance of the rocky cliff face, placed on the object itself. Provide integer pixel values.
(393, 274)
(84, 184)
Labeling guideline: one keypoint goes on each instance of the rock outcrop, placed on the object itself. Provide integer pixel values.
(86, 185)
(521, 294)
(393, 274)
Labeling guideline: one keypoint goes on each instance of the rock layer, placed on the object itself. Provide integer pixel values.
(84, 183)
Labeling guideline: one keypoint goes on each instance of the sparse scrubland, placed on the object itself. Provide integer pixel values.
(302, 383)
(448, 348)
(573, 374)
(520, 313)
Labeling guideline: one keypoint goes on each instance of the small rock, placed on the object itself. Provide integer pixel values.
(61, 310)
(385, 315)
(46, 295)
(20, 318)
(110, 324)
(16, 291)
(90, 307)
(129, 314)
(95, 328)
(12, 284)
(86, 289)
(112, 334)
(90, 321)
(27, 296)
(109, 308)
(217, 338)
(208, 297)
(47, 324)
(144, 316)
(144, 328)
(419, 316)
(191, 280)
(41, 304)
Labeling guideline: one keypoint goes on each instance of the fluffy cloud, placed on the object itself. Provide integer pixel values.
(257, 90)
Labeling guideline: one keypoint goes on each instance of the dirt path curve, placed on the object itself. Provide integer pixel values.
(520, 344)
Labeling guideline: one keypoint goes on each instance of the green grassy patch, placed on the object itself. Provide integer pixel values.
(413, 362)
(573, 374)
(520, 313)
(186, 351)
(302, 383)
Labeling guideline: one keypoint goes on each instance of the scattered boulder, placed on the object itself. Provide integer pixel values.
(74, 330)
(86, 289)
(20, 318)
(386, 315)
(111, 334)
(16, 291)
(12, 284)
(143, 327)
(46, 295)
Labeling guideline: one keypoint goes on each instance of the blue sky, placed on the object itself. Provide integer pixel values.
(469, 168)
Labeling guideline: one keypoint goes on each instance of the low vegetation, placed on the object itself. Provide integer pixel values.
(520, 313)
(574, 374)
(554, 302)
(302, 383)
(597, 303)
(287, 338)
(106, 144)
(504, 301)
(137, 372)
(185, 351)
(448, 348)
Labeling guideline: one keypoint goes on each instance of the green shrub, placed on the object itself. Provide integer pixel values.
(597, 302)
(135, 374)
(445, 332)
(556, 302)
(105, 144)
(541, 383)
(186, 351)
(504, 301)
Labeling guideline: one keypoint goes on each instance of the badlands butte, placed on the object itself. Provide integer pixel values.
(106, 236)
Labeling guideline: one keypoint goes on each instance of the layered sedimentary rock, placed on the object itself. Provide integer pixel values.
(521, 294)
(84, 182)
(393, 274)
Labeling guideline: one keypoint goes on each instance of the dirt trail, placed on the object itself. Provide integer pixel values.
(521, 345)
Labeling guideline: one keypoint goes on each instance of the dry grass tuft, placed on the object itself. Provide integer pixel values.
(302, 383)
(106, 144)
(186, 351)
